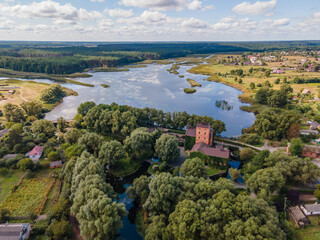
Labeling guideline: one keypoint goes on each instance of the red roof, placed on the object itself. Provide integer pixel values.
(203, 125)
(37, 150)
(191, 131)
(220, 152)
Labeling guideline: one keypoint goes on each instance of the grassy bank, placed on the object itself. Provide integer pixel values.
(29, 75)
(136, 66)
(29, 90)
(102, 69)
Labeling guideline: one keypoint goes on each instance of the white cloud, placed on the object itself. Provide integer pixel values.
(164, 5)
(278, 22)
(105, 23)
(257, 8)
(97, 1)
(49, 9)
(194, 23)
(118, 12)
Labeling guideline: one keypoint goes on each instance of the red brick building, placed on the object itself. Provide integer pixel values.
(202, 133)
(311, 152)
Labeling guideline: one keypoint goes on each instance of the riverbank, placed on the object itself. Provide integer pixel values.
(59, 79)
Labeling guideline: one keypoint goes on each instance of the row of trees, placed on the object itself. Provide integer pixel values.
(92, 198)
(124, 119)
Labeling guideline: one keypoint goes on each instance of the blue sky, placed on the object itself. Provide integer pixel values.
(159, 20)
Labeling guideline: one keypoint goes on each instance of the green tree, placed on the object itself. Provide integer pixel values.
(234, 173)
(13, 113)
(267, 180)
(193, 167)
(277, 99)
(25, 164)
(317, 192)
(167, 148)
(32, 108)
(252, 85)
(101, 219)
(246, 154)
(61, 124)
(91, 142)
(111, 152)
(4, 215)
(139, 144)
(61, 230)
(139, 185)
(84, 108)
(52, 94)
(218, 127)
(72, 135)
(296, 146)
(53, 156)
(43, 126)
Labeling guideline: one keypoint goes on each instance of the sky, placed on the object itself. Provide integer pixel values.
(159, 20)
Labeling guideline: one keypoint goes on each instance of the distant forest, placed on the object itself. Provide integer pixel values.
(70, 57)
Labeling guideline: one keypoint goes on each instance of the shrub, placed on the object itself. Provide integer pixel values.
(25, 164)
(40, 227)
(53, 156)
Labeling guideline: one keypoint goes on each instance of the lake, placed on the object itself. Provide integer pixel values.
(153, 86)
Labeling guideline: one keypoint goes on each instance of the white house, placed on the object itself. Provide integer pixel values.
(15, 231)
(311, 209)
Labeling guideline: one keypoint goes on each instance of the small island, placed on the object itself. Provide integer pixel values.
(189, 90)
(193, 83)
(105, 85)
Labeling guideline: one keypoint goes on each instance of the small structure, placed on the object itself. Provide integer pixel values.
(277, 71)
(311, 209)
(311, 151)
(308, 132)
(35, 154)
(56, 164)
(10, 156)
(314, 125)
(306, 91)
(15, 231)
(297, 215)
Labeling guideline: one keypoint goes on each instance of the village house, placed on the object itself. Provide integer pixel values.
(297, 215)
(311, 151)
(306, 91)
(314, 125)
(35, 154)
(15, 231)
(277, 71)
(311, 209)
(203, 141)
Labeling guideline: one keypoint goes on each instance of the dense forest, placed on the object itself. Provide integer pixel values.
(67, 58)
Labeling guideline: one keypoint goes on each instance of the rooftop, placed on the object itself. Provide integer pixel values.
(56, 163)
(203, 125)
(12, 231)
(220, 152)
(312, 207)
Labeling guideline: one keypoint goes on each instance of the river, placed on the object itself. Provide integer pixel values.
(153, 86)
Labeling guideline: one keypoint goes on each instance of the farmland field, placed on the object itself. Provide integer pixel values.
(28, 196)
(6, 183)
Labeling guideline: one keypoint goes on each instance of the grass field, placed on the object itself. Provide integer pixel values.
(28, 90)
(125, 167)
(27, 198)
(214, 72)
(310, 232)
(212, 170)
(7, 182)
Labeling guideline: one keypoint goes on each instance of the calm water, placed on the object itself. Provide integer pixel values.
(154, 87)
